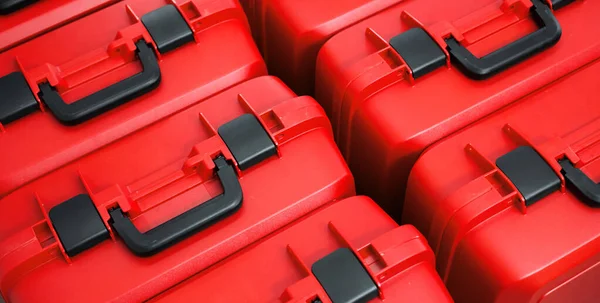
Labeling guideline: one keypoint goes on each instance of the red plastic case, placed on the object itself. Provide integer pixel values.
(284, 267)
(509, 205)
(291, 32)
(21, 20)
(157, 177)
(74, 66)
(385, 113)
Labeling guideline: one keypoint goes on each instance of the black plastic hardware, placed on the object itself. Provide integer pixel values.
(247, 140)
(419, 51)
(557, 4)
(186, 224)
(108, 98)
(586, 187)
(11, 6)
(16, 98)
(499, 60)
(78, 224)
(530, 174)
(167, 28)
(344, 279)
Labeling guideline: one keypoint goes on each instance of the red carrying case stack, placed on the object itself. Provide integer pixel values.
(349, 251)
(511, 205)
(290, 33)
(21, 20)
(415, 73)
(142, 214)
(82, 86)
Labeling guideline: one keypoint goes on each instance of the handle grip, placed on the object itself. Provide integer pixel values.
(186, 224)
(499, 60)
(108, 98)
(584, 185)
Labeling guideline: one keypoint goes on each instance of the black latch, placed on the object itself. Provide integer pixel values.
(167, 28)
(16, 98)
(78, 224)
(247, 140)
(11, 6)
(530, 174)
(535, 179)
(419, 51)
(344, 279)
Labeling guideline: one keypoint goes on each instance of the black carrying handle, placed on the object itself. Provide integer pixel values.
(186, 224)
(108, 98)
(499, 60)
(11, 6)
(584, 185)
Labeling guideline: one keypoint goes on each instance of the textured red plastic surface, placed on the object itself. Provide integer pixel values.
(277, 269)
(42, 16)
(94, 52)
(489, 247)
(290, 33)
(383, 118)
(159, 172)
